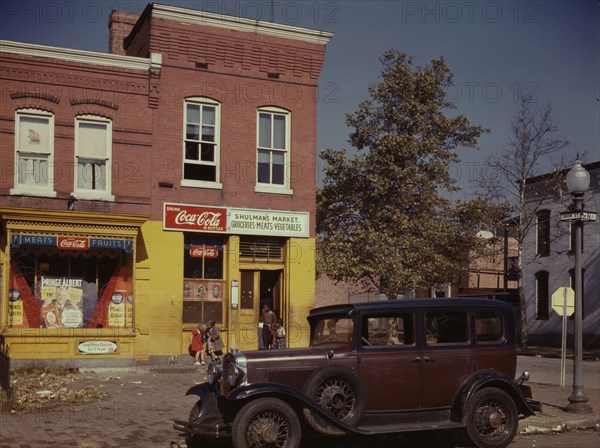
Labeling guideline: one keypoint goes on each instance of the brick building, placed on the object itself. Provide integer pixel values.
(166, 183)
(549, 263)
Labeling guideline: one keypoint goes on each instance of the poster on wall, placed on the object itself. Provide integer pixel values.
(61, 302)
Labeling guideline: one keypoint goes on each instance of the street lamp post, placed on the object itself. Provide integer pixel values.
(578, 181)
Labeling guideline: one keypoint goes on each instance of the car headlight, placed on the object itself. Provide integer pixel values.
(234, 374)
(214, 373)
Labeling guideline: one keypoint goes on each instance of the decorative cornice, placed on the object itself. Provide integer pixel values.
(77, 56)
(35, 94)
(96, 101)
(49, 218)
(234, 23)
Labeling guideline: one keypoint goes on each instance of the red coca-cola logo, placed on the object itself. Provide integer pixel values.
(205, 219)
(195, 218)
(70, 243)
(204, 252)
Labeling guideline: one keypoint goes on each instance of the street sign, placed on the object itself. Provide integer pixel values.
(563, 301)
(578, 216)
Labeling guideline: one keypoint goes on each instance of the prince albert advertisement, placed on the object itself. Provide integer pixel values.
(61, 301)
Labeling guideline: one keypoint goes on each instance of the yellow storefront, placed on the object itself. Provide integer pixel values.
(120, 290)
(233, 261)
(68, 289)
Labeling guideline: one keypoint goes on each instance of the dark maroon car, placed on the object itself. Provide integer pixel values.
(373, 368)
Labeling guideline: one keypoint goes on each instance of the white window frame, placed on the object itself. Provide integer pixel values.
(86, 193)
(287, 151)
(33, 189)
(216, 184)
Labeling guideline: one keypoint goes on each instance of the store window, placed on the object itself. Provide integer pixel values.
(273, 156)
(201, 143)
(203, 284)
(93, 152)
(77, 287)
(34, 152)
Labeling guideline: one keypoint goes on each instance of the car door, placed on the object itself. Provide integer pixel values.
(389, 364)
(446, 357)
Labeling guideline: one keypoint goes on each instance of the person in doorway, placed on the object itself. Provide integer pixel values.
(278, 335)
(269, 318)
(214, 336)
(196, 345)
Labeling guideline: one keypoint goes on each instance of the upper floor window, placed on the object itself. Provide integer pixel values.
(34, 153)
(543, 233)
(93, 153)
(201, 143)
(542, 296)
(273, 150)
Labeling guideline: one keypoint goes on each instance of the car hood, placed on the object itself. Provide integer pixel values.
(290, 366)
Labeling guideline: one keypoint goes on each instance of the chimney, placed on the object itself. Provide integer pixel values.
(120, 25)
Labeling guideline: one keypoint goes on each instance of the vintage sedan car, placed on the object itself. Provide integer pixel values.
(373, 368)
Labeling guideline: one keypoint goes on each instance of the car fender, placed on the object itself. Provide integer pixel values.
(489, 378)
(238, 397)
(209, 404)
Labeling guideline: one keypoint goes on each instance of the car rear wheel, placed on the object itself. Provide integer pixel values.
(266, 422)
(492, 418)
(339, 391)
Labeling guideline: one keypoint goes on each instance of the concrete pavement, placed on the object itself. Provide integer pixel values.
(141, 404)
(545, 383)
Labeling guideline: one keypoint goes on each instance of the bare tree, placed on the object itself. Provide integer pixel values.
(533, 144)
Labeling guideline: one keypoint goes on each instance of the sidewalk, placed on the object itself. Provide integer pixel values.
(141, 405)
(545, 384)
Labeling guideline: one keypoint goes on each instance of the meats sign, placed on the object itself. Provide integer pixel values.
(193, 218)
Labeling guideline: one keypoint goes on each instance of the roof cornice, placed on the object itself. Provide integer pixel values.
(76, 56)
(240, 24)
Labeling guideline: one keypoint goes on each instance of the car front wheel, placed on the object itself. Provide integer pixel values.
(492, 418)
(266, 422)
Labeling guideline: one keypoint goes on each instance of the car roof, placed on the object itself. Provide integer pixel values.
(404, 304)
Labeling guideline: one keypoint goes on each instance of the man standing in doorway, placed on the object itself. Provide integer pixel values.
(269, 319)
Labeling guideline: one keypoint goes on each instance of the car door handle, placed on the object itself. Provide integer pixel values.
(428, 359)
(417, 359)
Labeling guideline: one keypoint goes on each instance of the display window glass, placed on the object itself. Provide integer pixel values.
(54, 288)
(203, 284)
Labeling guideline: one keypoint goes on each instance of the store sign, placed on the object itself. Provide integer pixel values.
(236, 221)
(97, 347)
(268, 222)
(192, 218)
(204, 252)
(69, 243)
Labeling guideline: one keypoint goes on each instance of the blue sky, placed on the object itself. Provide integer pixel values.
(498, 50)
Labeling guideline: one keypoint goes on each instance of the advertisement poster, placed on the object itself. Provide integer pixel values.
(61, 302)
(15, 308)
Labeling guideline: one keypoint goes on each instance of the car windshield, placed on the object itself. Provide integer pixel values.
(333, 330)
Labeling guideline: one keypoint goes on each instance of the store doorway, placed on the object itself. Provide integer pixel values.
(258, 288)
(270, 291)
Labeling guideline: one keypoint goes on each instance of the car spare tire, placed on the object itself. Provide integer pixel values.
(339, 391)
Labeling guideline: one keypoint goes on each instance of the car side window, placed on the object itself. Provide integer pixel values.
(444, 327)
(333, 330)
(489, 327)
(393, 329)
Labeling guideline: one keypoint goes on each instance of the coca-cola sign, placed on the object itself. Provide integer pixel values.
(73, 243)
(204, 252)
(193, 218)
